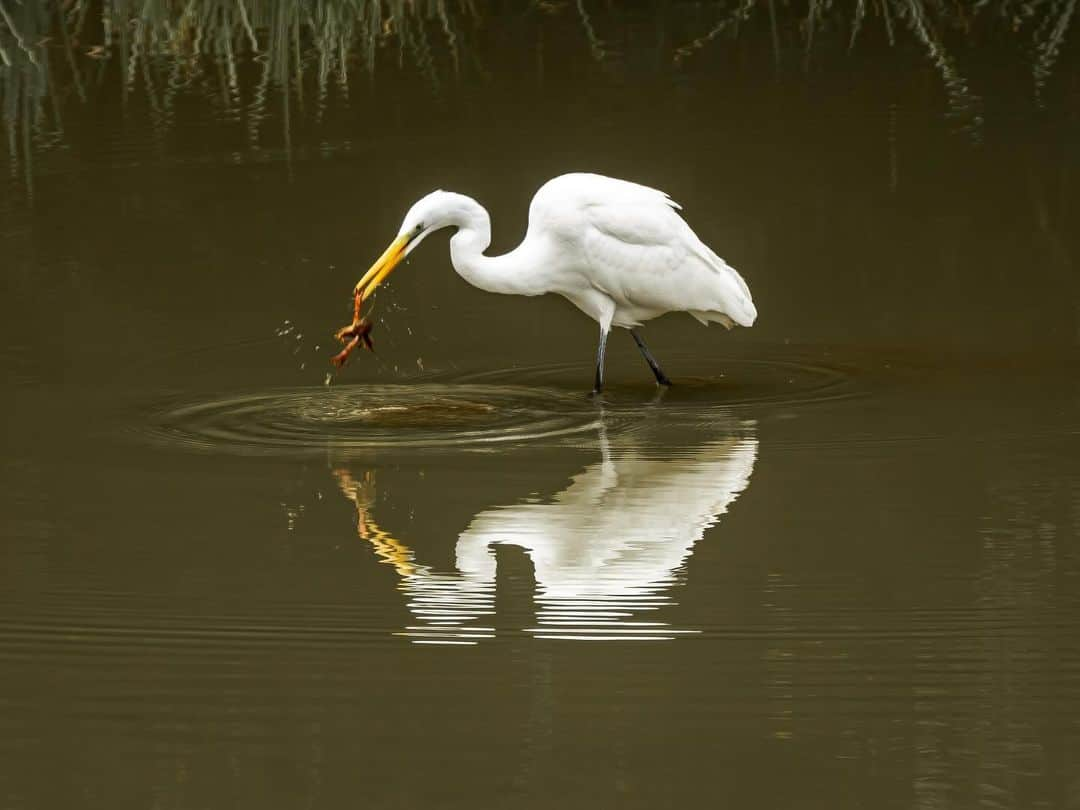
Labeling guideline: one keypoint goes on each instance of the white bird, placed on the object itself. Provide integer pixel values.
(617, 250)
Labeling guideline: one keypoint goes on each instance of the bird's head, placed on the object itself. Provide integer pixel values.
(439, 209)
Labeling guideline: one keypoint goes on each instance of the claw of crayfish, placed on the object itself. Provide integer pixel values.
(351, 336)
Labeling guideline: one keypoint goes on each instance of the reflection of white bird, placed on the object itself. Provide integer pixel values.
(604, 549)
(617, 250)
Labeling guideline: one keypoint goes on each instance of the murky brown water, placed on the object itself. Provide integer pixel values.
(837, 565)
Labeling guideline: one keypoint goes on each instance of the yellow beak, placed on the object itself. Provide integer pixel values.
(381, 269)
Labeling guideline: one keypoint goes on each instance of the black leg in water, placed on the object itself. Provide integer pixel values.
(599, 385)
(661, 377)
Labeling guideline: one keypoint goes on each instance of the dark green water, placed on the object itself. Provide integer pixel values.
(837, 565)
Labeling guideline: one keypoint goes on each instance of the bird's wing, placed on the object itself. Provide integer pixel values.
(632, 236)
(634, 247)
(614, 223)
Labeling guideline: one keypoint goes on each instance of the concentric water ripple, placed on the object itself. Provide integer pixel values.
(743, 383)
(500, 406)
(366, 416)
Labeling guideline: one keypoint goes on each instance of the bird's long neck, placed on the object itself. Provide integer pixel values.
(499, 274)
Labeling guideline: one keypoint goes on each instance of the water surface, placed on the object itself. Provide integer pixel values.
(843, 549)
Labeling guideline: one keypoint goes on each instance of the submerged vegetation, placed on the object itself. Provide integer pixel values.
(239, 53)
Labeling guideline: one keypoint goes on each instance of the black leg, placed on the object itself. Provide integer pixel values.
(661, 377)
(599, 385)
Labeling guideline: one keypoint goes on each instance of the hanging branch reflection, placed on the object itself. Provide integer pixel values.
(261, 59)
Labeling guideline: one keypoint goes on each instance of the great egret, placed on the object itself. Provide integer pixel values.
(617, 250)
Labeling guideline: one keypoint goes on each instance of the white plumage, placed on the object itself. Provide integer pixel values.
(628, 243)
(619, 251)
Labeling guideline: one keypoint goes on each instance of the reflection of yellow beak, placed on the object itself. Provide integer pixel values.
(382, 268)
(362, 494)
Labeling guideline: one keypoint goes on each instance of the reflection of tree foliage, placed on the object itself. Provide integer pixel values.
(24, 84)
(929, 22)
(238, 51)
(1049, 36)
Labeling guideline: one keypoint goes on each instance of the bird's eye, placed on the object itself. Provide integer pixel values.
(419, 227)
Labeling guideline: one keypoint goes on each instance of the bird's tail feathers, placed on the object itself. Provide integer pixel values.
(705, 317)
(738, 303)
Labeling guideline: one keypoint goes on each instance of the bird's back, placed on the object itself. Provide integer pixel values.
(558, 204)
